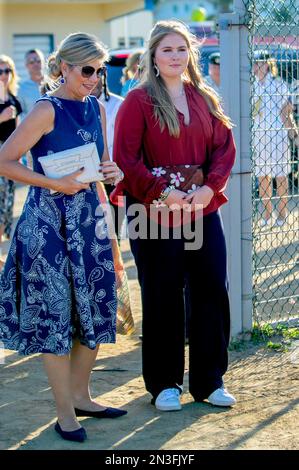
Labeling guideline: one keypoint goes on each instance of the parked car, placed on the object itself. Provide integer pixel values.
(115, 65)
(204, 53)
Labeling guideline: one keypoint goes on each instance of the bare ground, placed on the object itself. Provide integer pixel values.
(264, 382)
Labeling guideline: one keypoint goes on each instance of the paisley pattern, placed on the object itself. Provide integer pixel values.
(59, 281)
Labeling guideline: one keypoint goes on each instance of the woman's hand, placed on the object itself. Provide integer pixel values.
(201, 196)
(8, 113)
(68, 184)
(175, 199)
(111, 172)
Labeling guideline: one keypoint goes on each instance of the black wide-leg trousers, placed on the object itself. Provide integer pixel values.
(164, 267)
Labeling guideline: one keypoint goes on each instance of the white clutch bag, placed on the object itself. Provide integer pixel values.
(59, 164)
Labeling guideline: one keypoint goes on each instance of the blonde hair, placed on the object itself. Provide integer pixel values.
(273, 69)
(76, 49)
(128, 70)
(164, 109)
(13, 83)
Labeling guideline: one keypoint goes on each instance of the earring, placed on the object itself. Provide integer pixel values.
(62, 80)
(157, 70)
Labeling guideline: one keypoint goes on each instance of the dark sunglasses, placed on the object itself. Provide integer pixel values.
(6, 71)
(87, 71)
(34, 61)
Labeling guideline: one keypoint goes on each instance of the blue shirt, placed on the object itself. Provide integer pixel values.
(28, 95)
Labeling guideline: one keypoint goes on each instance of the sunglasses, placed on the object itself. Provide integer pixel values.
(34, 61)
(87, 71)
(6, 71)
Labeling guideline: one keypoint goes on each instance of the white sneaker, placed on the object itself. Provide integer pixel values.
(221, 397)
(168, 400)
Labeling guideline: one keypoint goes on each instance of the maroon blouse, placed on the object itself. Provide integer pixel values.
(139, 145)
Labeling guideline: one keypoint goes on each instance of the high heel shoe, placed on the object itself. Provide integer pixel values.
(79, 435)
(106, 413)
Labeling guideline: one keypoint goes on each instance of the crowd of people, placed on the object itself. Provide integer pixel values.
(58, 285)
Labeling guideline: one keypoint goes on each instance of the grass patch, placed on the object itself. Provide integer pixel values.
(276, 338)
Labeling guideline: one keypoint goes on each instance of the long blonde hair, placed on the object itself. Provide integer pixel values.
(13, 83)
(164, 109)
(76, 49)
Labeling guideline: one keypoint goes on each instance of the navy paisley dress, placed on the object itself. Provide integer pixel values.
(59, 281)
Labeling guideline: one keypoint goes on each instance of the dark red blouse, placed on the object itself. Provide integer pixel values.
(139, 145)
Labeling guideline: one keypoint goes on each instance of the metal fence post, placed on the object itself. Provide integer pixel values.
(235, 88)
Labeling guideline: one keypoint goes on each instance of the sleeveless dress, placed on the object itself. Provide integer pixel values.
(59, 281)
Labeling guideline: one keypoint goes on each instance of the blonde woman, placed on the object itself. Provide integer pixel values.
(10, 108)
(130, 73)
(272, 118)
(174, 118)
(57, 288)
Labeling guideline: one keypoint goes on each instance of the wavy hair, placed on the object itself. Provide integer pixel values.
(76, 49)
(13, 82)
(164, 109)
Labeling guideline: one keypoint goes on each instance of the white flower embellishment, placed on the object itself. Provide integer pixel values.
(176, 178)
(159, 171)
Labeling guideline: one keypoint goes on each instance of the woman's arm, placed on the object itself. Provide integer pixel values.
(288, 120)
(7, 114)
(105, 156)
(109, 168)
(221, 158)
(39, 121)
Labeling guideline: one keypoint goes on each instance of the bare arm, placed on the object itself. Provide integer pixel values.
(288, 120)
(39, 121)
(105, 156)
(109, 168)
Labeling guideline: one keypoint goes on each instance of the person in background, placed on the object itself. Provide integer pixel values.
(130, 76)
(10, 109)
(111, 103)
(173, 118)
(272, 121)
(213, 79)
(57, 288)
(29, 91)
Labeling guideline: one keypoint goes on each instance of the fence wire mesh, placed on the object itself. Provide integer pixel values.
(274, 56)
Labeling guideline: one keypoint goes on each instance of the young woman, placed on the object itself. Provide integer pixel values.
(57, 289)
(10, 108)
(173, 118)
(273, 116)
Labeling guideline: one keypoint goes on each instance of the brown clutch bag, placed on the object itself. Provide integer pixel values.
(186, 178)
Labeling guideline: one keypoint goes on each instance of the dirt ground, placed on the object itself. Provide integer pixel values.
(265, 383)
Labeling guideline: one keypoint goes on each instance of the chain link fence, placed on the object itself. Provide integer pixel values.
(274, 56)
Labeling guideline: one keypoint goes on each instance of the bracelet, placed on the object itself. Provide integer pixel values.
(164, 194)
(119, 178)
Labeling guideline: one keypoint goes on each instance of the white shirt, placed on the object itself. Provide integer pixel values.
(111, 108)
(269, 97)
